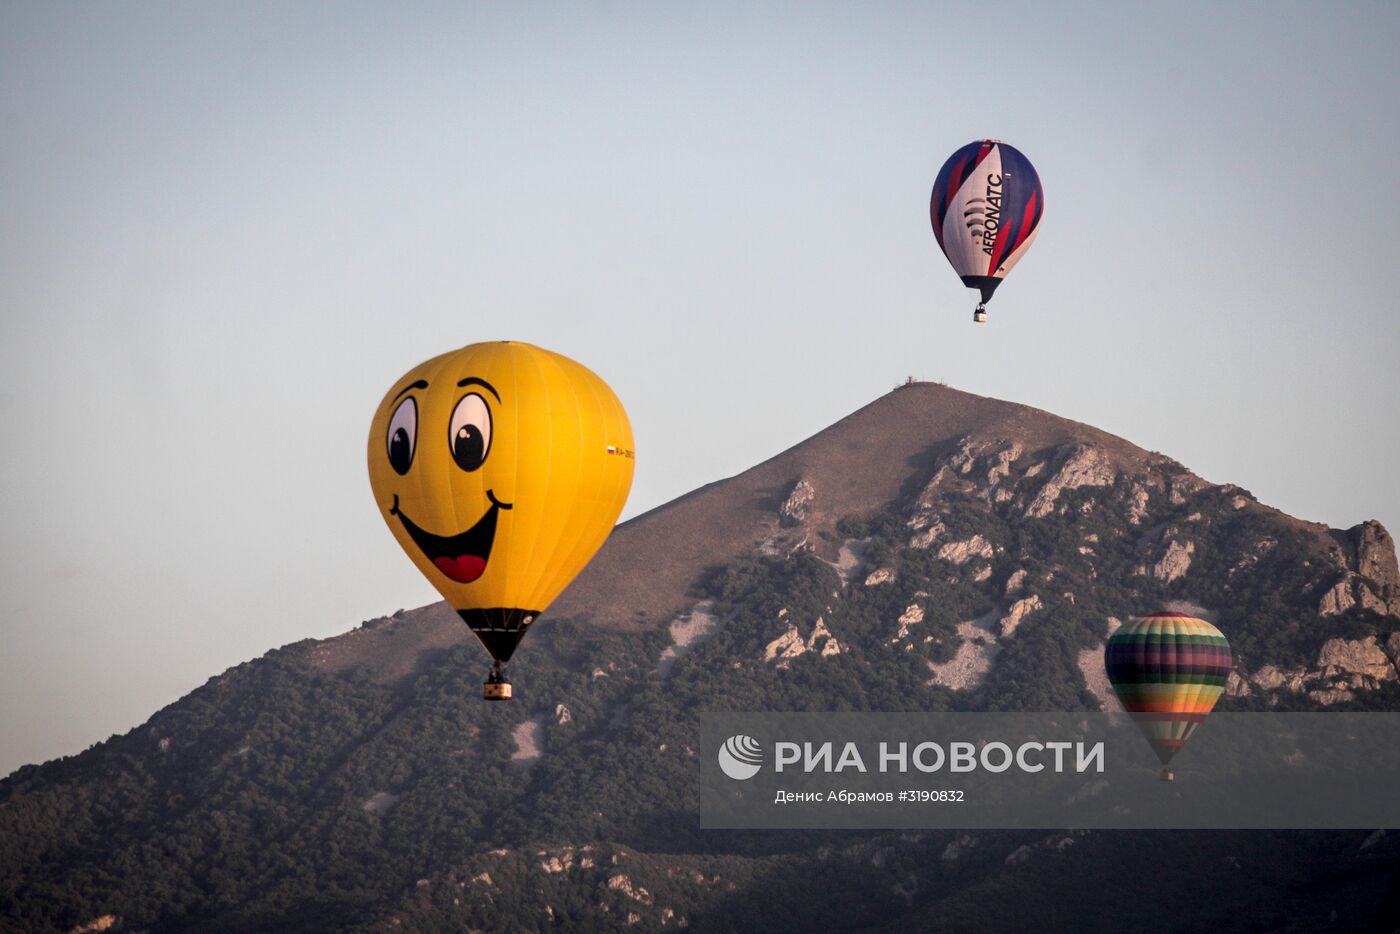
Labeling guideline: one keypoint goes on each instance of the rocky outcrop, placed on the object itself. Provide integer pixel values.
(1018, 612)
(795, 509)
(879, 576)
(1370, 579)
(1182, 484)
(1014, 582)
(1375, 554)
(975, 468)
(1000, 466)
(1355, 591)
(1340, 598)
(927, 534)
(1175, 562)
(990, 460)
(1087, 466)
(625, 885)
(1358, 663)
(1343, 667)
(912, 616)
(962, 552)
(789, 645)
(1272, 678)
(782, 650)
(1137, 506)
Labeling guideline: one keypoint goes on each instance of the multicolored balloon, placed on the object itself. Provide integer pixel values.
(986, 208)
(501, 469)
(1168, 670)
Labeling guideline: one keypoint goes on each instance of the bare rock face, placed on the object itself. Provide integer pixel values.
(1175, 562)
(993, 457)
(787, 646)
(962, 552)
(1343, 667)
(822, 641)
(1087, 466)
(1272, 678)
(912, 616)
(1018, 612)
(879, 576)
(782, 650)
(625, 885)
(1137, 510)
(1184, 485)
(1001, 461)
(1339, 599)
(1014, 582)
(926, 536)
(1370, 578)
(798, 505)
(966, 456)
(1354, 590)
(1355, 663)
(1375, 554)
(976, 468)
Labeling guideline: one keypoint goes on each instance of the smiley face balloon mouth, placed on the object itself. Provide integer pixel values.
(461, 557)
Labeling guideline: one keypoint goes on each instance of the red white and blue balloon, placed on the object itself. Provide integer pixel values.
(986, 208)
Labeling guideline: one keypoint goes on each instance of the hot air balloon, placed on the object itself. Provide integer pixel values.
(986, 209)
(1168, 670)
(500, 468)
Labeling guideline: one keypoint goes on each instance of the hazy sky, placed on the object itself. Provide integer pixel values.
(225, 229)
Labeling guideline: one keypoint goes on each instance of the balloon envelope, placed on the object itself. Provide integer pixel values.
(500, 468)
(986, 208)
(1168, 669)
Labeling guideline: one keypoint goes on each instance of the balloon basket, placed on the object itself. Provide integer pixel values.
(1168, 775)
(980, 315)
(497, 686)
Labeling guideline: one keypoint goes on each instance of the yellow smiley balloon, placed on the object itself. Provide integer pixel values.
(501, 468)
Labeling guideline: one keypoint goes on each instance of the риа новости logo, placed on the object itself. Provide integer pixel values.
(741, 757)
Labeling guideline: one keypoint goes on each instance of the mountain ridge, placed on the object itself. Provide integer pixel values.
(655, 566)
(933, 551)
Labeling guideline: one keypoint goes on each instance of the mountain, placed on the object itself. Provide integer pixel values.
(934, 550)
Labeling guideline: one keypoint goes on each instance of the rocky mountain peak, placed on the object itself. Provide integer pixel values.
(934, 550)
(1369, 575)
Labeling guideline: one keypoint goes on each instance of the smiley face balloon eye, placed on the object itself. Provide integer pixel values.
(403, 436)
(469, 435)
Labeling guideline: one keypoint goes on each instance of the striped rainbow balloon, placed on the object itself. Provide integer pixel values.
(1168, 669)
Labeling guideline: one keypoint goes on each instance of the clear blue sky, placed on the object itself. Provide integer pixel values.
(226, 228)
